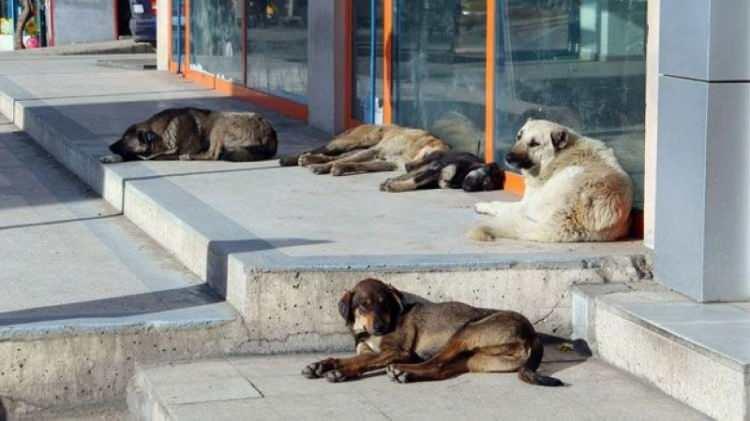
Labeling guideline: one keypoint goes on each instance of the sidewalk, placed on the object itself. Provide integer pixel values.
(271, 388)
(84, 292)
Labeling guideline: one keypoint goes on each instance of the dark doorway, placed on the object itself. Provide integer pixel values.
(123, 19)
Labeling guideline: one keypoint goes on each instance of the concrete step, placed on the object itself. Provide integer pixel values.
(282, 244)
(697, 353)
(85, 294)
(271, 388)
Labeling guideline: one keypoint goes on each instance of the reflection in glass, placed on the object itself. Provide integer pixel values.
(361, 57)
(178, 29)
(277, 48)
(577, 62)
(439, 69)
(215, 38)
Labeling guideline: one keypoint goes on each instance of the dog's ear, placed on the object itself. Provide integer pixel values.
(345, 307)
(559, 138)
(398, 296)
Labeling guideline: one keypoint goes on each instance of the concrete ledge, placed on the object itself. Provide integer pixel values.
(76, 366)
(697, 353)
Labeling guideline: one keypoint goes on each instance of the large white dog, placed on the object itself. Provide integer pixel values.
(575, 190)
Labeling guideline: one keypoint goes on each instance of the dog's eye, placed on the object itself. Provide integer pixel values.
(533, 143)
(519, 135)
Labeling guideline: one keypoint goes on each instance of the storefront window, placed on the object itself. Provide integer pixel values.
(578, 62)
(362, 55)
(439, 69)
(216, 38)
(277, 48)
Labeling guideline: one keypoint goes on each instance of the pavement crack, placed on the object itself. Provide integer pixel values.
(552, 310)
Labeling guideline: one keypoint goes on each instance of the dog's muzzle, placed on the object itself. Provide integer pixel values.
(516, 162)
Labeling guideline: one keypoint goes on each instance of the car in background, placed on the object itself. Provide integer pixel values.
(143, 20)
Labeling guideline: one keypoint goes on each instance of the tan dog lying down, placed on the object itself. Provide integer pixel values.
(369, 148)
(575, 190)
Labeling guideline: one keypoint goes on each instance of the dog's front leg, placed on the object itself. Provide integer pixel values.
(492, 208)
(158, 154)
(342, 369)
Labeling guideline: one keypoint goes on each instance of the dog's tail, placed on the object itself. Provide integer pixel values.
(528, 373)
(289, 160)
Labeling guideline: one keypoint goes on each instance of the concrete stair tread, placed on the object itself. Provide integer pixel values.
(271, 388)
(697, 353)
(718, 329)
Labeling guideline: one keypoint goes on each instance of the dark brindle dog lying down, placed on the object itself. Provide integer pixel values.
(447, 170)
(431, 341)
(197, 134)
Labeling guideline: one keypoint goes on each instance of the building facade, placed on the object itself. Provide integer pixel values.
(473, 71)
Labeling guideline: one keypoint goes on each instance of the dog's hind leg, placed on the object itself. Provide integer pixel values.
(378, 165)
(322, 158)
(406, 373)
(411, 180)
(430, 157)
(357, 156)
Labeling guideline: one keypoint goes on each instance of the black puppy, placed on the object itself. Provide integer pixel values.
(447, 170)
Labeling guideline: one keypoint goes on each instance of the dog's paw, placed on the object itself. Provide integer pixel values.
(338, 170)
(110, 159)
(320, 169)
(185, 157)
(335, 376)
(305, 160)
(483, 208)
(314, 371)
(397, 375)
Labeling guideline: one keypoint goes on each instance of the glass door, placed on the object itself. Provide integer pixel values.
(277, 48)
(439, 69)
(577, 62)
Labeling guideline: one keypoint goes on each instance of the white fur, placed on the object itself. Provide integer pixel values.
(577, 192)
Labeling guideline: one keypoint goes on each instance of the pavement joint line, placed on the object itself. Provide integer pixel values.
(58, 222)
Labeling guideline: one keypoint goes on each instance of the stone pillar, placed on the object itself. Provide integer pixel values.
(163, 26)
(702, 240)
(326, 64)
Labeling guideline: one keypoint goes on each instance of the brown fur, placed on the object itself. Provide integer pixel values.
(196, 134)
(430, 341)
(369, 148)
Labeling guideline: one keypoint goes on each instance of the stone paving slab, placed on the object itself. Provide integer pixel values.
(596, 391)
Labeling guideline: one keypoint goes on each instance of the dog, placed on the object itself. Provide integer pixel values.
(197, 134)
(575, 190)
(447, 169)
(368, 148)
(430, 341)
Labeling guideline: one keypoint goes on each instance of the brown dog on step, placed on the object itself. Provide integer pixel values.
(430, 341)
(198, 135)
